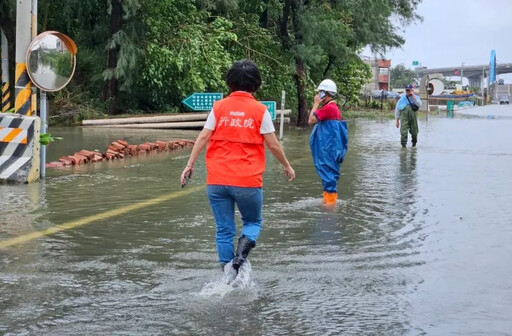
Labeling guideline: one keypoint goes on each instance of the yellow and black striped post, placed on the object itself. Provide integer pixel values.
(23, 102)
(6, 97)
(6, 94)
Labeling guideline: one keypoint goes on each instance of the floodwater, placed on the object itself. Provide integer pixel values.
(488, 111)
(420, 242)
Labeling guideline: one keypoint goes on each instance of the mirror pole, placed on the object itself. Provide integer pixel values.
(34, 34)
(44, 129)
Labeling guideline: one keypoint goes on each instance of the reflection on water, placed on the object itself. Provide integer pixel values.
(419, 242)
(46, 78)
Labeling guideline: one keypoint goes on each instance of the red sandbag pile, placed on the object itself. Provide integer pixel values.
(118, 150)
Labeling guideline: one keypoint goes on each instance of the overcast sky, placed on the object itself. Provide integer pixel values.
(456, 31)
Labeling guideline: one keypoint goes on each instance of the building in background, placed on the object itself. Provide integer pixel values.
(381, 74)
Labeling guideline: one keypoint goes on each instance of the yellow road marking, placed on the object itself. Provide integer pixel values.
(108, 214)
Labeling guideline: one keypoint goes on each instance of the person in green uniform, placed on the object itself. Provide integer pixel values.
(406, 115)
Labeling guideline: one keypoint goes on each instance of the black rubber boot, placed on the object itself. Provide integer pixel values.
(242, 251)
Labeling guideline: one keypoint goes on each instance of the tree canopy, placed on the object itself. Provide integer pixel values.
(401, 76)
(151, 54)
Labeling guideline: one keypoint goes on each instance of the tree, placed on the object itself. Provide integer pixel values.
(122, 51)
(86, 22)
(159, 51)
(321, 33)
(110, 88)
(108, 35)
(401, 76)
(351, 75)
(184, 52)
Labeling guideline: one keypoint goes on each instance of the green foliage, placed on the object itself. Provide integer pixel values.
(351, 75)
(401, 76)
(168, 49)
(46, 138)
(181, 61)
(391, 104)
(86, 22)
(475, 89)
(260, 45)
(126, 41)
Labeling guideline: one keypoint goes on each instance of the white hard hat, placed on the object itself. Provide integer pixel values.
(328, 86)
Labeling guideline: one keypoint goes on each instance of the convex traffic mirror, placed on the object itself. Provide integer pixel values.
(51, 60)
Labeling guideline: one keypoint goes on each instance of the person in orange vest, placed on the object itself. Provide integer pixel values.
(328, 140)
(235, 131)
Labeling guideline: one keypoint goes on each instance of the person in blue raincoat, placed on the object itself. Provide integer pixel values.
(329, 139)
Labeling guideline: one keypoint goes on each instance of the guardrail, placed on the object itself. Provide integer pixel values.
(19, 148)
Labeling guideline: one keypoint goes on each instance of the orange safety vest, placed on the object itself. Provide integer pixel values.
(236, 153)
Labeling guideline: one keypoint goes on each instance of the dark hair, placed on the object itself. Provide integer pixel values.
(243, 75)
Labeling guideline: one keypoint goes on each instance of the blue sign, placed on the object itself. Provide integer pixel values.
(492, 67)
(201, 101)
(271, 107)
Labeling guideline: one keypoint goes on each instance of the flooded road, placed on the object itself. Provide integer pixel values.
(419, 243)
(488, 111)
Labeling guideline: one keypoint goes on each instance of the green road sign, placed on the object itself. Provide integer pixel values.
(201, 101)
(271, 107)
(415, 63)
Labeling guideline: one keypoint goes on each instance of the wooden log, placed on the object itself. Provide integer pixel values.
(174, 125)
(148, 120)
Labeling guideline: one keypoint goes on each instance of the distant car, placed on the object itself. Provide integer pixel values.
(392, 95)
(504, 100)
(376, 94)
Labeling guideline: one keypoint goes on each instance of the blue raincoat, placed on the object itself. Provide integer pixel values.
(329, 143)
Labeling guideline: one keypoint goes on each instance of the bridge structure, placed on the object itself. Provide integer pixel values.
(474, 73)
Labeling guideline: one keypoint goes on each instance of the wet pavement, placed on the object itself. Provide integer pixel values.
(418, 244)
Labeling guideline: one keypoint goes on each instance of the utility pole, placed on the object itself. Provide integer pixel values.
(427, 82)
(389, 77)
(482, 86)
(488, 79)
(462, 74)
(6, 95)
(22, 83)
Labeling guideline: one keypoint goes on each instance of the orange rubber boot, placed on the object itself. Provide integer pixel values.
(330, 198)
